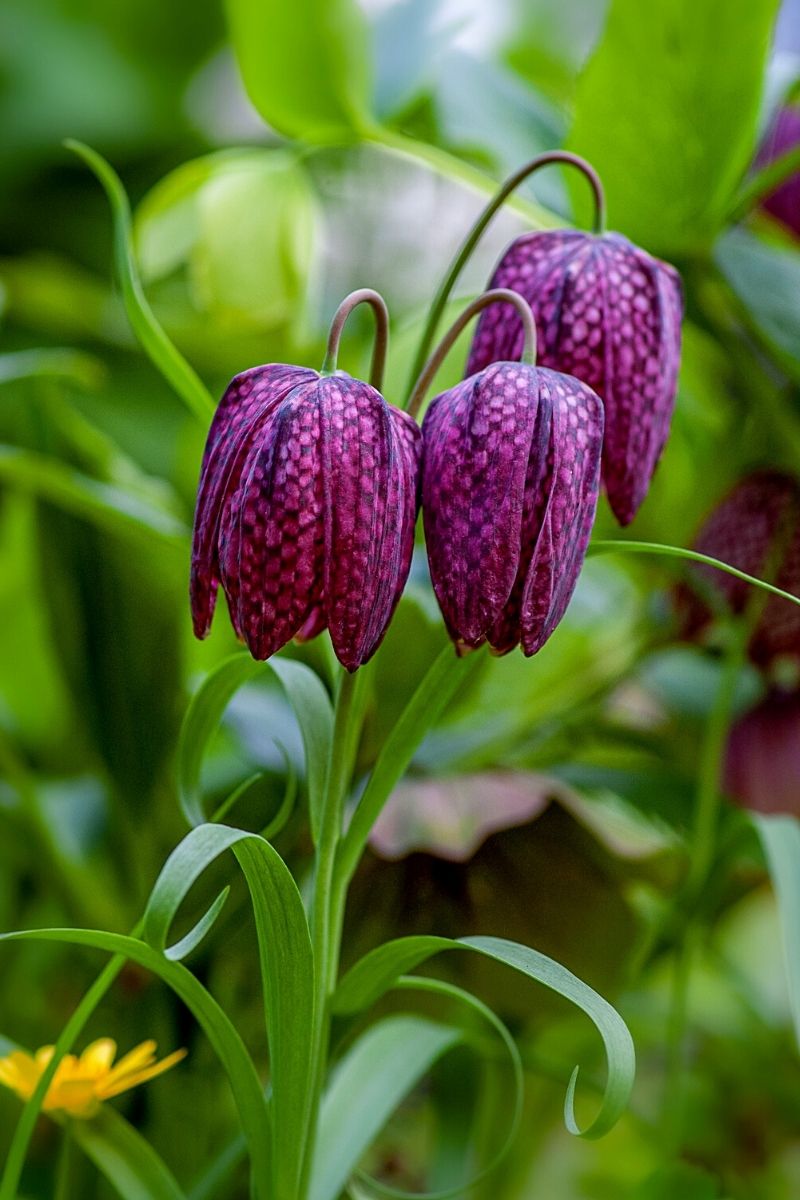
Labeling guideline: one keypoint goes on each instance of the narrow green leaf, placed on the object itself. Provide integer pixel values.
(780, 837)
(304, 65)
(667, 111)
(377, 1073)
(378, 971)
(621, 546)
(129, 1163)
(154, 341)
(429, 700)
(106, 505)
(286, 969)
(765, 277)
(71, 365)
(308, 698)
(227, 1043)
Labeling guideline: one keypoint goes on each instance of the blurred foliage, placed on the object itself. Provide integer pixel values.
(404, 112)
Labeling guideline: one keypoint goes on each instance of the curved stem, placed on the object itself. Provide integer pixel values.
(495, 296)
(378, 306)
(623, 546)
(473, 237)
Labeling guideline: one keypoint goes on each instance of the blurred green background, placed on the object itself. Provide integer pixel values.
(276, 159)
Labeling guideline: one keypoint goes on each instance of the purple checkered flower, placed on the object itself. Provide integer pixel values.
(510, 476)
(783, 135)
(609, 314)
(305, 511)
(755, 528)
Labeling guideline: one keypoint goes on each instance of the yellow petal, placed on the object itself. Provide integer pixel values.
(76, 1097)
(97, 1058)
(113, 1085)
(134, 1060)
(43, 1056)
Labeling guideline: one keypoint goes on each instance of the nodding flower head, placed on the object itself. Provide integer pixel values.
(755, 528)
(609, 314)
(306, 511)
(511, 464)
(783, 135)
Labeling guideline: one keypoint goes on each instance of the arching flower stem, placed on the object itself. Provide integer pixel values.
(473, 237)
(378, 306)
(495, 296)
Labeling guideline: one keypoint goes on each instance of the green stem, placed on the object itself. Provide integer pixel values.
(378, 306)
(496, 296)
(326, 916)
(625, 547)
(473, 237)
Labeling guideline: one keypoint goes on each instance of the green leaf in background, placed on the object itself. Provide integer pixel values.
(667, 111)
(93, 583)
(111, 508)
(224, 1038)
(71, 365)
(129, 1163)
(305, 65)
(780, 837)
(766, 279)
(379, 1071)
(379, 970)
(154, 341)
(286, 970)
(244, 224)
(308, 698)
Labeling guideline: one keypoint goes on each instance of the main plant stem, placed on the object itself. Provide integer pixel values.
(328, 906)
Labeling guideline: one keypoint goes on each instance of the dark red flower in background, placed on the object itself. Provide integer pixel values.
(762, 767)
(755, 528)
(510, 477)
(783, 135)
(305, 511)
(609, 314)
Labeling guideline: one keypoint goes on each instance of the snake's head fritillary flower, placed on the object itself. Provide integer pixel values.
(82, 1083)
(609, 314)
(305, 511)
(755, 528)
(783, 135)
(762, 764)
(510, 477)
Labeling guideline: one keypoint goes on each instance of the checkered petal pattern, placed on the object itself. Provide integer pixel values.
(306, 509)
(510, 477)
(609, 314)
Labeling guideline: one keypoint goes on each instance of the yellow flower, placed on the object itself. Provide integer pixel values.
(80, 1084)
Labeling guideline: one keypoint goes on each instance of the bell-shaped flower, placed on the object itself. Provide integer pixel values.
(762, 761)
(510, 477)
(306, 511)
(755, 528)
(609, 314)
(783, 135)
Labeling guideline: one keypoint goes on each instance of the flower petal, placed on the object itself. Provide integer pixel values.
(577, 436)
(115, 1084)
(248, 401)
(610, 314)
(370, 504)
(477, 442)
(271, 561)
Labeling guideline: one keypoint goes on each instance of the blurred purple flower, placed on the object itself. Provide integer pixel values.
(305, 512)
(755, 528)
(510, 476)
(783, 135)
(609, 314)
(762, 769)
